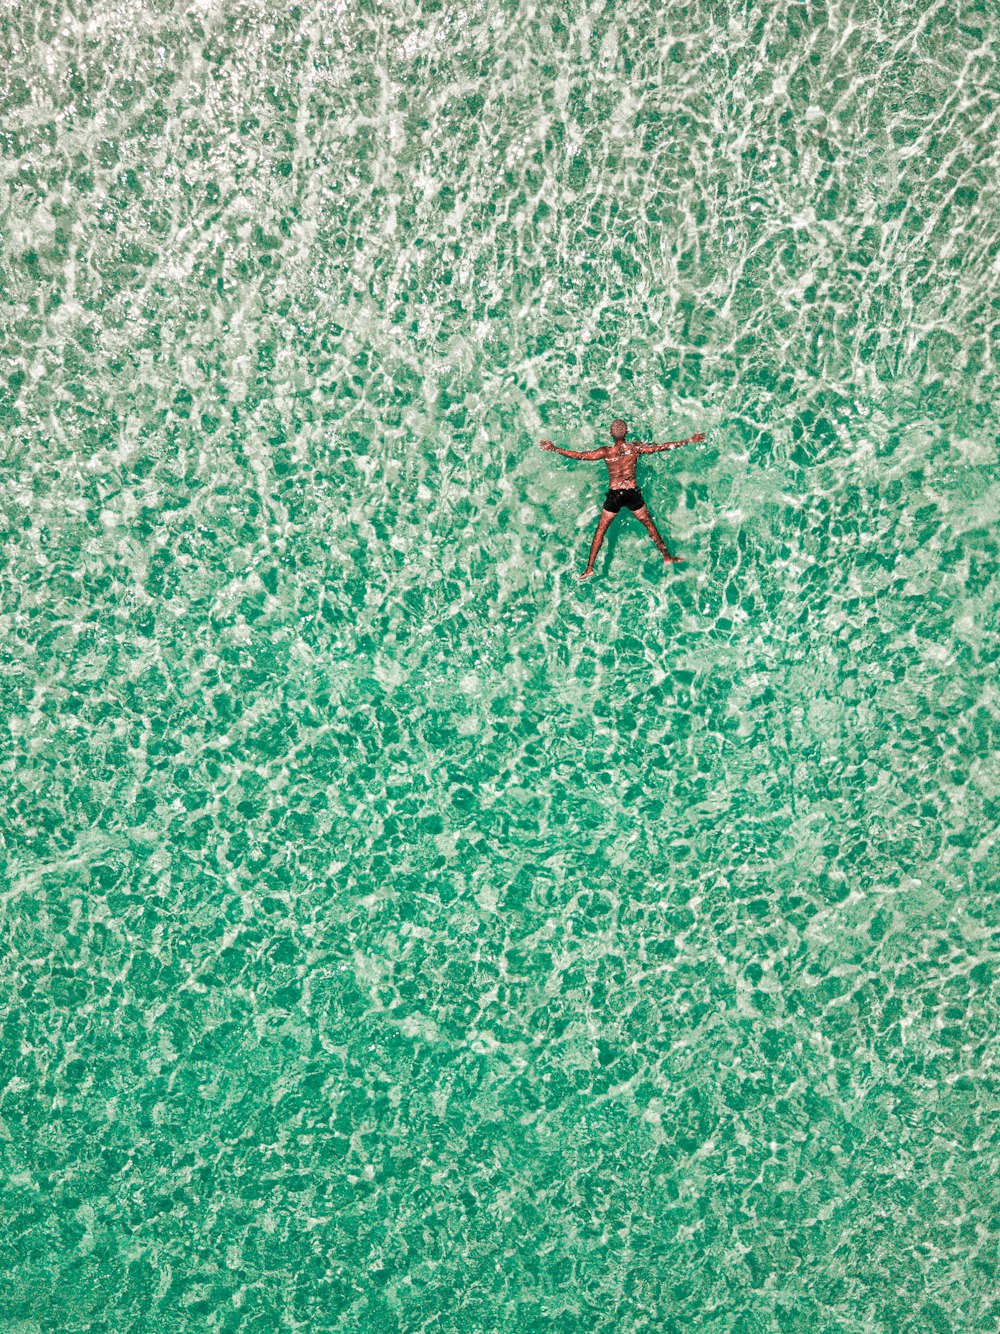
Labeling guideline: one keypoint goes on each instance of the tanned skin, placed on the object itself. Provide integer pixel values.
(621, 459)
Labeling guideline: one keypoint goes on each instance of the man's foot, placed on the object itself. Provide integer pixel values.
(586, 574)
(672, 560)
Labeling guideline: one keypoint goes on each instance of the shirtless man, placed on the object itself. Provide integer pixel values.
(620, 458)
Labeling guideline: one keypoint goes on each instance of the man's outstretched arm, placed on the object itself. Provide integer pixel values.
(601, 453)
(671, 444)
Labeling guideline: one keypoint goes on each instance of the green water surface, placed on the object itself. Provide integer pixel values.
(398, 935)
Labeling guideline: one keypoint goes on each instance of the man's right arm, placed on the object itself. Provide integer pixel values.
(574, 453)
(670, 444)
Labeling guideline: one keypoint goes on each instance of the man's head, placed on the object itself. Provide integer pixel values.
(619, 430)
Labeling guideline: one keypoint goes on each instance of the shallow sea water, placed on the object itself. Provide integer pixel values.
(398, 934)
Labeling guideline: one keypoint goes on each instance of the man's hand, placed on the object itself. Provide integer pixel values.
(695, 439)
(547, 444)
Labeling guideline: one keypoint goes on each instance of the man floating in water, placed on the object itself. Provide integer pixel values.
(620, 458)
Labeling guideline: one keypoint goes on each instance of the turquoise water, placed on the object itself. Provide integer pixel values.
(398, 934)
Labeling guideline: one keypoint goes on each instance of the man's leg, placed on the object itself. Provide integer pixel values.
(603, 524)
(646, 519)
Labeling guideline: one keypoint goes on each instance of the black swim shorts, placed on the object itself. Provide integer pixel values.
(630, 496)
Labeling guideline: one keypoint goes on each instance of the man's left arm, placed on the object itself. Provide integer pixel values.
(575, 453)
